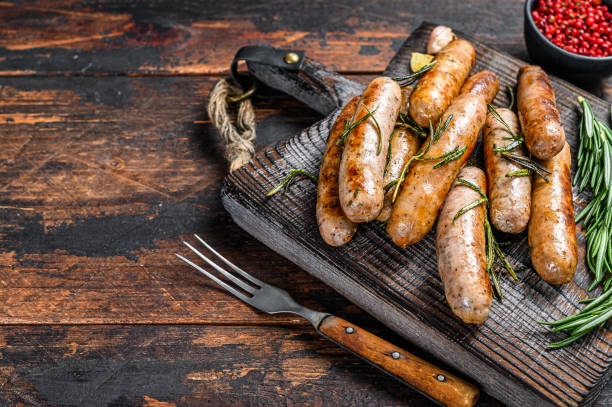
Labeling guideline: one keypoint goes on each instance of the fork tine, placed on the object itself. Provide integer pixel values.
(215, 279)
(232, 265)
(226, 273)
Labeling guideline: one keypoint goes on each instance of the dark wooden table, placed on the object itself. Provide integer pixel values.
(108, 161)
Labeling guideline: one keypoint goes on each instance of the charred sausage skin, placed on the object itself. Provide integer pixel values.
(361, 188)
(552, 230)
(460, 248)
(538, 114)
(439, 86)
(335, 228)
(424, 189)
(509, 197)
(484, 83)
(403, 145)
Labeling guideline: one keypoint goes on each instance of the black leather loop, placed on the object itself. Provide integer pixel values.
(264, 55)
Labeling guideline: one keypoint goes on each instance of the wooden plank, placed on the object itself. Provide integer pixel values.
(197, 37)
(188, 366)
(401, 286)
(200, 37)
(101, 180)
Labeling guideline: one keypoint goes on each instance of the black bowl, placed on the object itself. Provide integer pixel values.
(545, 53)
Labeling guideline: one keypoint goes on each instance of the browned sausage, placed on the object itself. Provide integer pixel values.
(552, 231)
(425, 188)
(404, 144)
(460, 247)
(364, 157)
(537, 109)
(483, 83)
(509, 197)
(335, 228)
(439, 86)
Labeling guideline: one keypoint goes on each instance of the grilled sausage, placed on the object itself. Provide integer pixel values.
(402, 146)
(461, 252)
(439, 38)
(364, 157)
(552, 231)
(509, 197)
(483, 83)
(439, 86)
(425, 187)
(537, 109)
(335, 228)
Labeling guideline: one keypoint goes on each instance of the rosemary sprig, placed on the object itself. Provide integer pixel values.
(389, 152)
(523, 172)
(451, 156)
(495, 114)
(390, 185)
(284, 184)
(473, 186)
(511, 96)
(409, 123)
(594, 170)
(434, 136)
(371, 113)
(509, 147)
(469, 206)
(403, 81)
(527, 163)
(348, 127)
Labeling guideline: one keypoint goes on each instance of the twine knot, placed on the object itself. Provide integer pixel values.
(239, 139)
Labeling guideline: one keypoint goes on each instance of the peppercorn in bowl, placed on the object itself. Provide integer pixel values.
(569, 36)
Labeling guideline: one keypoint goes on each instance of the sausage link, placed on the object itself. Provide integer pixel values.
(439, 86)
(537, 109)
(403, 145)
(509, 197)
(439, 38)
(360, 183)
(335, 228)
(425, 188)
(460, 247)
(552, 231)
(484, 83)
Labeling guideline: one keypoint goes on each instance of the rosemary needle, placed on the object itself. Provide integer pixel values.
(403, 81)
(285, 182)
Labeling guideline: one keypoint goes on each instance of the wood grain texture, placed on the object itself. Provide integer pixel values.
(400, 286)
(119, 365)
(198, 37)
(101, 178)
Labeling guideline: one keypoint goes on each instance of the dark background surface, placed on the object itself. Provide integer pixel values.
(108, 162)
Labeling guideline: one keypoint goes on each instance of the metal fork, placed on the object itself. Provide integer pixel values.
(440, 386)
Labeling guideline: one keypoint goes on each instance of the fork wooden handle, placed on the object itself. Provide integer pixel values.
(429, 379)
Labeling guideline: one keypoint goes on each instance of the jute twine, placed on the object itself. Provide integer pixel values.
(239, 139)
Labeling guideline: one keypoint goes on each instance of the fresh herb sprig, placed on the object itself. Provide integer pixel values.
(285, 182)
(523, 172)
(434, 136)
(409, 123)
(511, 96)
(403, 81)
(492, 246)
(497, 116)
(348, 127)
(527, 163)
(594, 170)
(506, 151)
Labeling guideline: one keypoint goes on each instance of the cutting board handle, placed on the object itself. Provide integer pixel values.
(437, 384)
(314, 84)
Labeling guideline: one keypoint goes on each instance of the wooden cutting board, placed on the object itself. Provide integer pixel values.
(507, 355)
